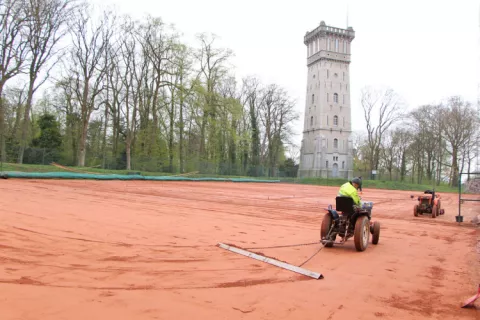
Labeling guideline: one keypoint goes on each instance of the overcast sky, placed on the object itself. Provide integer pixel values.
(425, 50)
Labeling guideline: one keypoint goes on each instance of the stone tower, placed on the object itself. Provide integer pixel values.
(326, 149)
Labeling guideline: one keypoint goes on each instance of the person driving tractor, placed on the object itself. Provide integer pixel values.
(349, 189)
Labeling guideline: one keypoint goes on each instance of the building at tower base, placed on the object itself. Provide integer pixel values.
(327, 148)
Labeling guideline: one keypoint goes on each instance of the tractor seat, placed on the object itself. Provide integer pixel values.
(344, 205)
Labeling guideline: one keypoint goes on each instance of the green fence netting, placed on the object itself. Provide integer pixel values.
(88, 176)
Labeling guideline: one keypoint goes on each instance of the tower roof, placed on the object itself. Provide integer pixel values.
(323, 29)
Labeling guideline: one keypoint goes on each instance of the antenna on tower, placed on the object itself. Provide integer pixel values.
(347, 15)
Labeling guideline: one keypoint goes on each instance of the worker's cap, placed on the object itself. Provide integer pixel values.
(357, 181)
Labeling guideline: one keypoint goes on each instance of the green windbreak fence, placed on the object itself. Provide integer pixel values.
(88, 176)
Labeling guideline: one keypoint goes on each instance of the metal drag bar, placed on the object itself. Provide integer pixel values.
(274, 262)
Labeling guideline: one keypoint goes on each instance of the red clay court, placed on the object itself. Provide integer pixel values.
(74, 249)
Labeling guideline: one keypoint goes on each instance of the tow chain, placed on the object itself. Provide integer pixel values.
(285, 246)
(300, 244)
(323, 245)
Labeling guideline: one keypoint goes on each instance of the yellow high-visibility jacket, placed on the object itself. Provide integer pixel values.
(348, 190)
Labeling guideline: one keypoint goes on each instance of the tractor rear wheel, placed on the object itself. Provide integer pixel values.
(376, 232)
(434, 211)
(440, 211)
(326, 225)
(362, 233)
(415, 210)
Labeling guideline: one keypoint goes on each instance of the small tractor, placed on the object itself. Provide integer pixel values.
(354, 221)
(428, 203)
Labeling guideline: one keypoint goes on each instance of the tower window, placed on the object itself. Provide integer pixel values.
(335, 120)
(343, 99)
(335, 97)
(344, 76)
(328, 97)
(344, 46)
(335, 143)
(336, 45)
(328, 74)
(311, 121)
(313, 98)
(344, 121)
(326, 164)
(343, 164)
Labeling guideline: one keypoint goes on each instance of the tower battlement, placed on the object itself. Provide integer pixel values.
(323, 30)
(328, 43)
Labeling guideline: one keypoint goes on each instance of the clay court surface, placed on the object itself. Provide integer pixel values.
(147, 250)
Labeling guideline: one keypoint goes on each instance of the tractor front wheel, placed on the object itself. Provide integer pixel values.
(362, 233)
(415, 210)
(376, 232)
(326, 225)
(434, 211)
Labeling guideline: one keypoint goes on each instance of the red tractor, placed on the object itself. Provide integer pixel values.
(428, 203)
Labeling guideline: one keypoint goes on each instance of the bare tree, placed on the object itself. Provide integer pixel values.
(45, 27)
(212, 70)
(131, 84)
(459, 122)
(251, 92)
(90, 43)
(471, 148)
(388, 152)
(17, 96)
(386, 105)
(184, 65)
(13, 51)
(402, 139)
(68, 107)
(178, 90)
(294, 152)
(277, 114)
(158, 46)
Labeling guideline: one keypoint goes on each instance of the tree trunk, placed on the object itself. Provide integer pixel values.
(25, 124)
(128, 144)
(182, 169)
(403, 166)
(83, 144)
(454, 173)
(3, 148)
(104, 139)
(170, 135)
(468, 168)
(18, 116)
